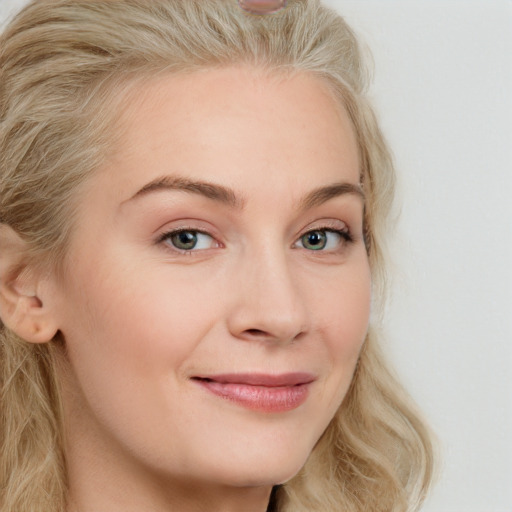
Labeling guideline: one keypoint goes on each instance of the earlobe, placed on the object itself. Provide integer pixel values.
(22, 309)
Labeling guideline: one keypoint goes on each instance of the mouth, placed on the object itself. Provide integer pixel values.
(260, 392)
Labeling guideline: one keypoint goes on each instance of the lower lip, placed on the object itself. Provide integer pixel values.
(259, 398)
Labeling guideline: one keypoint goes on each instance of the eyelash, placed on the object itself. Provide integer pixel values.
(162, 239)
(344, 234)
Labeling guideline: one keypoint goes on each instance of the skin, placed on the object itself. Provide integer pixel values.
(140, 318)
(262, 6)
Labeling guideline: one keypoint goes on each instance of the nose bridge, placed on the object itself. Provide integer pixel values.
(269, 300)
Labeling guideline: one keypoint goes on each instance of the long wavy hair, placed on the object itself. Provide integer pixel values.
(65, 68)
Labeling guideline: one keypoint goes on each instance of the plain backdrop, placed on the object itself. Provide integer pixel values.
(443, 91)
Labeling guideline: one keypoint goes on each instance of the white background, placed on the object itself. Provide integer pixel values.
(443, 90)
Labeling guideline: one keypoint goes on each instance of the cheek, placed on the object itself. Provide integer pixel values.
(343, 312)
(130, 323)
(343, 306)
(128, 336)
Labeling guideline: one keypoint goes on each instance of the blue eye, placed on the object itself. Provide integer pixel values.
(323, 239)
(188, 240)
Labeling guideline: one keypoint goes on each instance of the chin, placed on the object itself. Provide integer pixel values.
(256, 473)
(264, 478)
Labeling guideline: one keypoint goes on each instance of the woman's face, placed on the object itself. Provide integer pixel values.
(216, 292)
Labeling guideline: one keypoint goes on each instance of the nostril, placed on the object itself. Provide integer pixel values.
(255, 332)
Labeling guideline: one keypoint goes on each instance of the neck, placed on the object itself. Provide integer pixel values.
(182, 499)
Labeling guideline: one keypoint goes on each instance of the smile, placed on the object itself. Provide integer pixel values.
(260, 392)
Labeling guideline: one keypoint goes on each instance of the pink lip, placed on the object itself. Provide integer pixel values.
(260, 392)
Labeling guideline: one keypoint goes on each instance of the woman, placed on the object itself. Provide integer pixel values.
(193, 207)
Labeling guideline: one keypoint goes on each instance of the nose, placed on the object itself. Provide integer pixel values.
(268, 303)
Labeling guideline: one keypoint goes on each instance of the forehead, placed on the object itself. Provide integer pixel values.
(240, 121)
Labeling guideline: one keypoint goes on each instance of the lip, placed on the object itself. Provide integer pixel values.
(270, 393)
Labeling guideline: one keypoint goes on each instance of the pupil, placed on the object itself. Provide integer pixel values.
(315, 240)
(185, 240)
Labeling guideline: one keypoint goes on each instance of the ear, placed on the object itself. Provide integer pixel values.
(24, 308)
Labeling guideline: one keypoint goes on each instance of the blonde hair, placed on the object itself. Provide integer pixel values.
(61, 63)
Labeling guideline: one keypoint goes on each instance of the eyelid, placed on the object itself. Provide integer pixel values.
(335, 226)
(344, 234)
(325, 225)
(168, 233)
(329, 225)
(173, 231)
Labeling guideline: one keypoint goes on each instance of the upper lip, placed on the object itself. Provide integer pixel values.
(261, 379)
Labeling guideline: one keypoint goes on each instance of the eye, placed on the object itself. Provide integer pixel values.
(188, 240)
(323, 239)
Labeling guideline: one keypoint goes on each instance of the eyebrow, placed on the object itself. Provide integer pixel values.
(229, 197)
(323, 194)
(209, 190)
